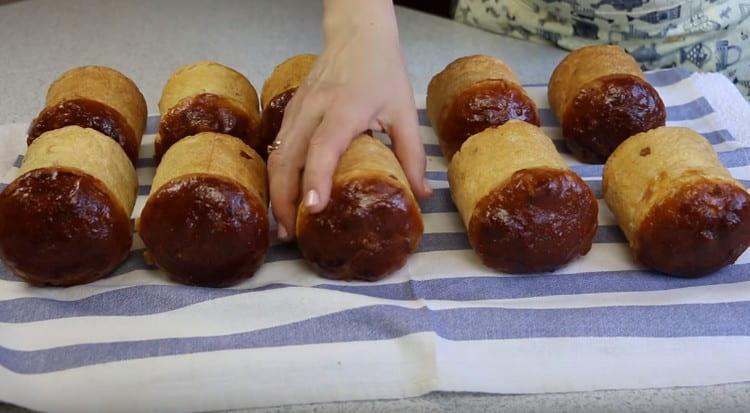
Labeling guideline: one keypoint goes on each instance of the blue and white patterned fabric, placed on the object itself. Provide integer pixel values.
(136, 341)
(702, 35)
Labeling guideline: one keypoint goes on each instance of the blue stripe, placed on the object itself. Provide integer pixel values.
(424, 120)
(547, 118)
(689, 111)
(145, 163)
(383, 322)
(667, 77)
(440, 201)
(153, 299)
(719, 136)
(152, 125)
(431, 149)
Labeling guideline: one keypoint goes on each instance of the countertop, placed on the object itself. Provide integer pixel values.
(147, 40)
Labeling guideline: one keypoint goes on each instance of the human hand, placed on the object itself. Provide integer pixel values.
(358, 82)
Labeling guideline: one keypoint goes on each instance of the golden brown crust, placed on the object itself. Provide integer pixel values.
(539, 220)
(601, 98)
(217, 155)
(665, 180)
(372, 219)
(87, 113)
(90, 152)
(204, 113)
(608, 110)
(62, 227)
(109, 88)
(368, 230)
(270, 122)
(205, 230)
(584, 65)
(289, 74)
(463, 74)
(488, 159)
(205, 221)
(482, 105)
(697, 230)
(524, 209)
(211, 78)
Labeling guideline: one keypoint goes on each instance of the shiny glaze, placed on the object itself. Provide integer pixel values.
(205, 230)
(538, 221)
(486, 104)
(606, 112)
(700, 229)
(367, 231)
(86, 113)
(270, 122)
(61, 227)
(203, 113)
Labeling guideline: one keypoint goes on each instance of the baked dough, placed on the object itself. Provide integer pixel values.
(205, 221)
(65, 219)
(95, 97)
(471, 94)
(601, 97)
(678, 206)
(278, 89)
(524, 209)
(372, 222)
(207, 97)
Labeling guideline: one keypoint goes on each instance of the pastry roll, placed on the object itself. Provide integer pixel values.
(99, 98)
(474, 93)
(65, 219)
(372, 222)
(679, 208)
(207, 97)
(601, 97)
(278, 89)
(524, 209)
(205, 221)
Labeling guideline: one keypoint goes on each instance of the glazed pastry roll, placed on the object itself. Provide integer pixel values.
(65, 219)
(679, 208)
(99, 98)
(205, 221)
(524, 209)
(372, 222)
(474, 93)
(601, 97)
(207, 97)
(278, 89)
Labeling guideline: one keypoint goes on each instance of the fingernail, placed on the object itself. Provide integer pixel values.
(283, 235)
(311, 199)
(426, 186)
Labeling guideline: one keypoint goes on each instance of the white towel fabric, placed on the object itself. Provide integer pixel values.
(136, 341)
(731, 107)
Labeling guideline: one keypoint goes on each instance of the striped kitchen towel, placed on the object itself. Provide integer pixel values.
(136, 341)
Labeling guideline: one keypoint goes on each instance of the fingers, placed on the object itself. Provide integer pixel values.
(284, 180)
(330, 140)
(407, 145)
(286, 163)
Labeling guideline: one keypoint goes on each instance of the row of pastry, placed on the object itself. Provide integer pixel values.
(65, 219)
(526, 211)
